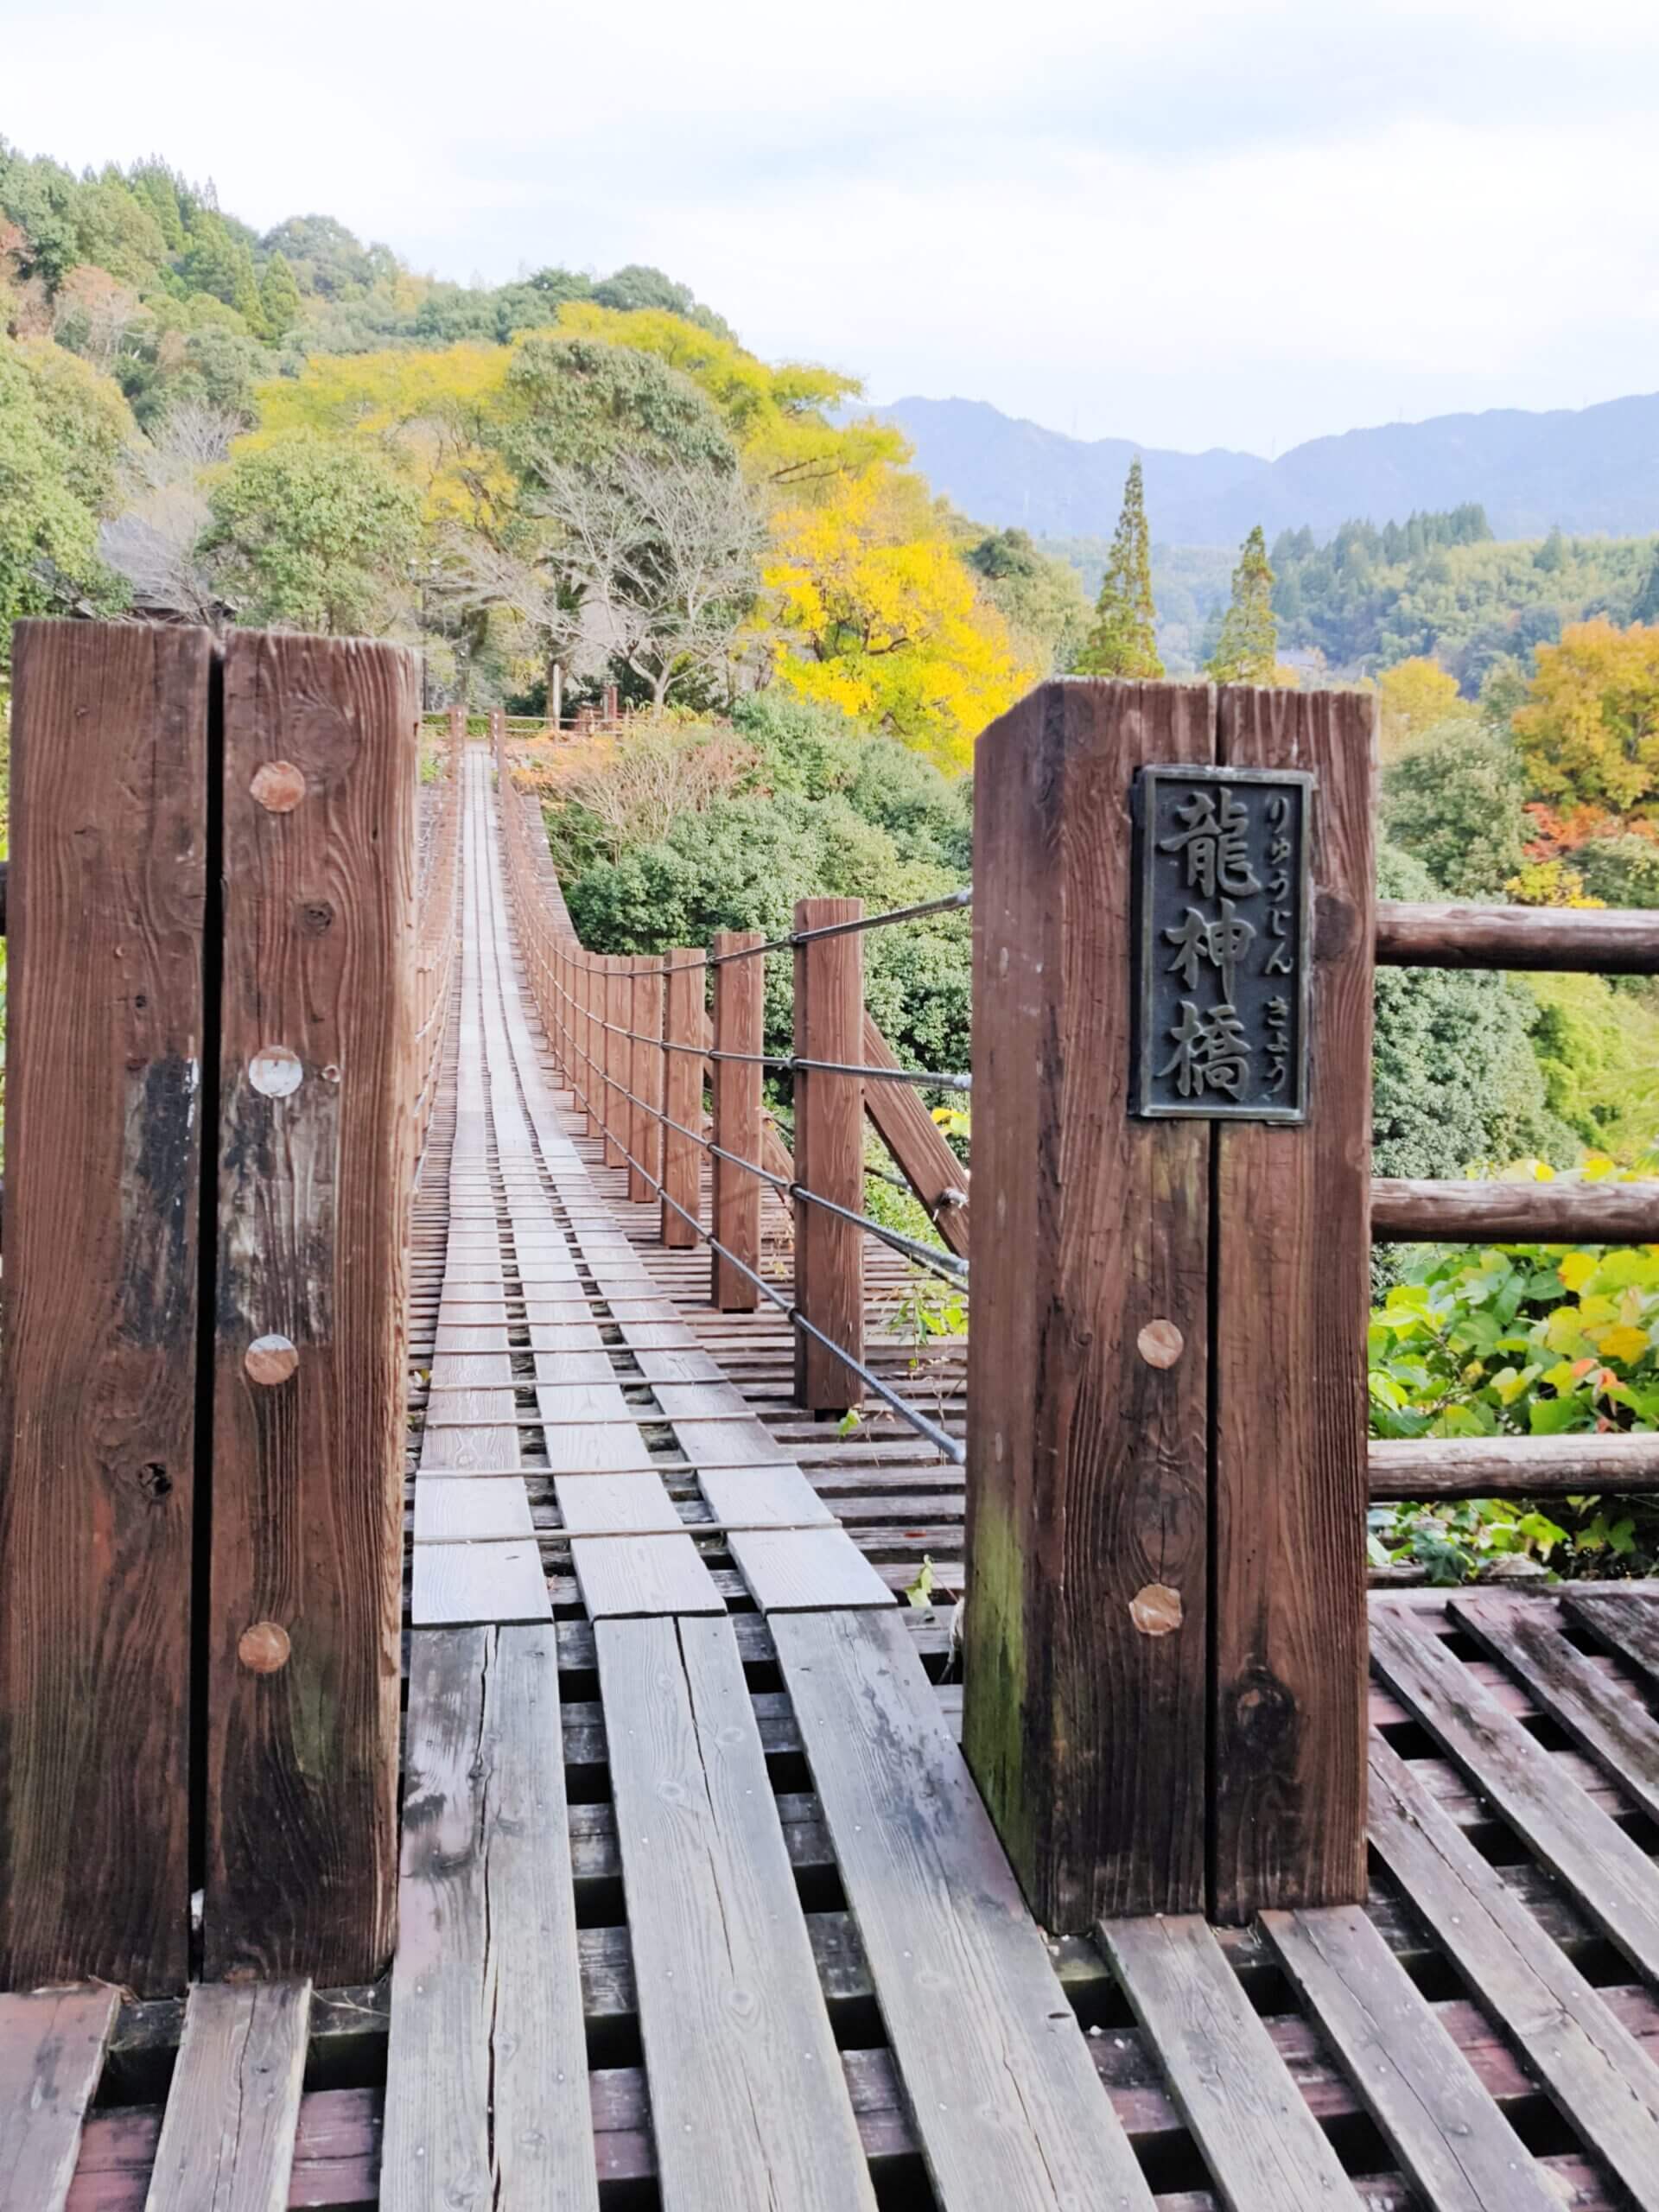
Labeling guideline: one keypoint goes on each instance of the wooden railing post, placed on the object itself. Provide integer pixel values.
(682, 1096)
(618, 992)
(828, 1154)
(739, 1026)
(1165, 1684)
(644, 1078)
(97, 1440)
(316, 1165)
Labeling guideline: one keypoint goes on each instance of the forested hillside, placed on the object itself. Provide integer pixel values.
(203, 422)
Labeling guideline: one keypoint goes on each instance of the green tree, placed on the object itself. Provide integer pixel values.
(1040, 599)
(314, 535)
(1645, 607)
(279, 296)
(1124, 638)
(48, 492)
(1246, 650)
(1455, 803)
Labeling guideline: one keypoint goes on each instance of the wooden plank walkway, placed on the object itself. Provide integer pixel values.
(698, 1906)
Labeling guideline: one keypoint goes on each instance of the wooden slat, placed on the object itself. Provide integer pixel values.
(828, 1155)
(748, 2101)
(760, 1498)
(51, 2055)
(614, 1505)
(1011, 2114)
(734, 1208)
(314, 1194)
(913, 1137)
(1592, 2065)
(227, 2140)
(470, 1509)
(452, 1584)
(804, 1570)
(1289, 1484)
(1088, 1471)
(1626, 1622)
(1592, 1705)
(109, 825)
(488, 2100)
(1443, 2128)
(1612, 1877)
(623, 1578)
(1264, 2149)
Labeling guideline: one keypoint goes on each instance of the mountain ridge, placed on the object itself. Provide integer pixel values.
(1589, 470)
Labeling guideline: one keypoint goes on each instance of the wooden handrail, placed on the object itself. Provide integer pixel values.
(1574, 940)
(1546, 1213)
(1510, 1466)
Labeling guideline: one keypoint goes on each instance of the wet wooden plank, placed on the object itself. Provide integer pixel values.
(1446, 2133)
(1261, 2145)
(227, 2138)
(1612, 1877)
(1007, 2103)
(1593, 2068)
(98, 1371)
(747, 2096)
(51, 2054)
(805, 1570)
(451, 1584)
(488, 2101)
(623, 1577)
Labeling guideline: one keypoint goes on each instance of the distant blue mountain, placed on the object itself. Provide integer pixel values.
(1592, 469)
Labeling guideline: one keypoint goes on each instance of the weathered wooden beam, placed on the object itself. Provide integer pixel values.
(738, 1027)
(1292, 1292)
(98, 1435)
(320, 742)
(1574, 940)
(1512, 1466)
(919, 1151)
(644, 1078)
(1084, 1715)
(683, 1033)
(1554, 1212)
(828, 1155)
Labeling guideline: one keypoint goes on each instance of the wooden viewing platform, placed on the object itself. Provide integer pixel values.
(698, 1905)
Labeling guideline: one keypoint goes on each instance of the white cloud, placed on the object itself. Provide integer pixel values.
(1189, 223)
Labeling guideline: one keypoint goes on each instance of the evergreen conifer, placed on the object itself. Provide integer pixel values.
(1247, 650)
(1123, 640)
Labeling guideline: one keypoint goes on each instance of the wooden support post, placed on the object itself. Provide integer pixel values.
(828, 1155)
(457, 729)
(1292, 1295)
(682, 1096)
(645, 1079)
(618, 993)
(1144, 1386)
(97, 1436)
(320, 758)
(739, 1026)
(613, 710)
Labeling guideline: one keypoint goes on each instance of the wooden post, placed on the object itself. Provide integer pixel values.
(613, 713)
(619, 993)
(739, 1026)
(457, 726)
(555, 694)
(98, 1435)
(645, 1077)
(320, 755)
(828, 1154)
(1149, 1445)
(682, 1096)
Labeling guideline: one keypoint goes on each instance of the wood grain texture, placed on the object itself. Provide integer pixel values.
(828, 1155)
(227, 2138)
(683, 1156)
(748, 2101)
(52, 2048)
(1010, 2113)
(645, 1079)
(476, 1583)
(1499, 1466)
(619, 993)
(626, 1578)
(1087, 1467)
(913, 1137)
(1445, 2131)
(488, 2097)
(469, 1511)
(1625, 1621)
(1569, 2036)
(805, 1570)
(1612, 1877)
(1547, 1213)
(1578, 941)
(1293, 1292)
(734, 1203)
(313, 1196)
(108, 822)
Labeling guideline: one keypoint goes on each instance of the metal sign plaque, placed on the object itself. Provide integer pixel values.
(1223, 913)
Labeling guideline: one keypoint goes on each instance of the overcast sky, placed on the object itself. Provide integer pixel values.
(1185, 222)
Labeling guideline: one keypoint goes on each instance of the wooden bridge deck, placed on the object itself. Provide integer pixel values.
(699, 1908)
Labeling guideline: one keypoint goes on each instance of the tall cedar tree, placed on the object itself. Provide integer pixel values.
(1247, 652)
(1124, 638)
